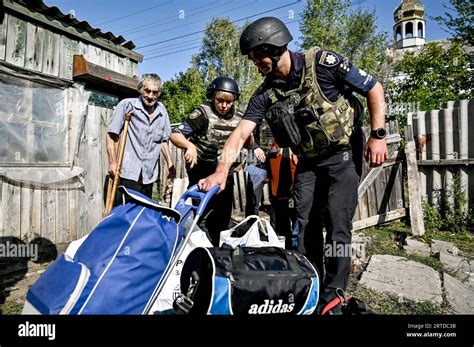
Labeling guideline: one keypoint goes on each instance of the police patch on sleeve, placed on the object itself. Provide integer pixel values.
(328, 59)
(195, 114)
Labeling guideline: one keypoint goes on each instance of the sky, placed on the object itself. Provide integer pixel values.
(169, 32)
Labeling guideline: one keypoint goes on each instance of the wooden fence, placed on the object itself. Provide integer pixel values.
(445, 150)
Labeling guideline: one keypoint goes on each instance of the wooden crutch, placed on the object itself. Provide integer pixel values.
(111, 192)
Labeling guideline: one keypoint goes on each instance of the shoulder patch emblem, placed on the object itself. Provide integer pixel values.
(195, 114)
(328, 59)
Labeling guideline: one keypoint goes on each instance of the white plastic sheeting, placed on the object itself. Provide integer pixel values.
(40, 124)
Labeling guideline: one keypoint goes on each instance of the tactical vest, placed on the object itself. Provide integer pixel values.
(331, 122)
(210, 144)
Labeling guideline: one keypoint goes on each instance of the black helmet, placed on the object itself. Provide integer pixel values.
(225, 84)
(266, 30)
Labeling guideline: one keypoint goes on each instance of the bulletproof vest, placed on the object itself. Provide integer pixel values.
(210, 144)
(322, 123)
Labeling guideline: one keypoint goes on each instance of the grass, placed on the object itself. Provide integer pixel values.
(12, 307)
(382, 303)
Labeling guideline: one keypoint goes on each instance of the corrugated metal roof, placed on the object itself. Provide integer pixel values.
(54, 12)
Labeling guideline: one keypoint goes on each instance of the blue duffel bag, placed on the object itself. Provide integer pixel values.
(117, 269)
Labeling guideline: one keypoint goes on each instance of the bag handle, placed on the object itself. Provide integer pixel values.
(269, 232)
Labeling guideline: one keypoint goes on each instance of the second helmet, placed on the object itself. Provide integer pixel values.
(225, 84)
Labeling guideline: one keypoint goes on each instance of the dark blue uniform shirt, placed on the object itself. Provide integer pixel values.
(335, 75)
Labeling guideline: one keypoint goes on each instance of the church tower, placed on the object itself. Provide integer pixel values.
(409, 29)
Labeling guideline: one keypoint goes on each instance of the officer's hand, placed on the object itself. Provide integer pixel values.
(375, 151)
(260, 154)
(191, 155)
(112, 168)
(217, 177)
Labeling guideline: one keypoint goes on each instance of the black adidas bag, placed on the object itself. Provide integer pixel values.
(267, 280)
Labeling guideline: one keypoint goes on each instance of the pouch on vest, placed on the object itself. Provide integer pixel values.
(283, 126)
(246, 281)
(326, 129)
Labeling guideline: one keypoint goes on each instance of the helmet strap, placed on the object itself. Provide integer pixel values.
(275, 56)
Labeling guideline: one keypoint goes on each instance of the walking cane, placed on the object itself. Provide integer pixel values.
(112, 191)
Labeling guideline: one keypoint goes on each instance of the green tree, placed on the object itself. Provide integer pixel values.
(183, 94)
(437, 74)
(459, 24)
(220, 56)
(332, 25)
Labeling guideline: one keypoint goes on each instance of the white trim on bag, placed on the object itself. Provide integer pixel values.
(212, 280)
(76, 294)
(111, 261)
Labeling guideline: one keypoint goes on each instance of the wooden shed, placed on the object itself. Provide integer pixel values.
(59, 79)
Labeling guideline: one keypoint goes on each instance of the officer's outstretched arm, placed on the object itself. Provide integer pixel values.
(376, 150)
(231, 150)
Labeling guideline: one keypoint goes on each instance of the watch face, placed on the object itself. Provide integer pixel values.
(379, 133)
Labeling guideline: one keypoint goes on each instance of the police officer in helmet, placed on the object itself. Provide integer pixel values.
(307, 100)
(202, 135)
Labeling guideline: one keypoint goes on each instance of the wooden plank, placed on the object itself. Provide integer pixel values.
(36, 213)
(134, 70)
(94, 55)
(63, 232)
(48, 51)
(83, 195)
(48, 215)
(3, 37)
(88, 71)
(120, 67)
(372, 201)
(82, 49)
(30, 46)
(128, 67)
(382, 192)
(25, 212)
(73, 204)
(11, 199)
(16, 41)
(414, 190)
(378, 219)
(106, 60)
(67, 49)
(94, 174)
(446, 162)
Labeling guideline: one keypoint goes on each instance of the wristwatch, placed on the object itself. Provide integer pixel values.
(378, 134)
